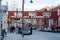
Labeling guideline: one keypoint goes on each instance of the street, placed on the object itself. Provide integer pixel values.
(37, 35)
(37, 17)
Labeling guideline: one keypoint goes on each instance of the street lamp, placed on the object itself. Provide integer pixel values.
(23, 16)
(31, 1)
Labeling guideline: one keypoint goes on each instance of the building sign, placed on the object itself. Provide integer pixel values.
(29, 14)
(18, 15)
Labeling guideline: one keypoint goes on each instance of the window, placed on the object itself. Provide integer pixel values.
(58, 11)
(32, 14)
(47, 14)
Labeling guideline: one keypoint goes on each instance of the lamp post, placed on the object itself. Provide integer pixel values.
(23, 17)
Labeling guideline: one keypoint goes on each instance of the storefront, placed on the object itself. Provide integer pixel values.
(37, 18)
(15, 18)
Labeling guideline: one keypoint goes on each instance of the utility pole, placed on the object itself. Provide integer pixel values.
(23, 17)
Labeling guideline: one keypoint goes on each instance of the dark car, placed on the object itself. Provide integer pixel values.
(26, 30)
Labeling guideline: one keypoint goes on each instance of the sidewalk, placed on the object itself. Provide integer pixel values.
(49, 30)
(0, 37)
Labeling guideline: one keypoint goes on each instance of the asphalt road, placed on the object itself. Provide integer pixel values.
(37, 35)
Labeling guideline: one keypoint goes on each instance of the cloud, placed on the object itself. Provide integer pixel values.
(28, 7)
(57, 2)
(38, 4)
(35, 7)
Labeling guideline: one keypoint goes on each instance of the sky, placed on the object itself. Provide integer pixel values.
(36, 5)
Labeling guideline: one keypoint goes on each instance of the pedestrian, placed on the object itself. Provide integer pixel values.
(3, 32)
(43, 26)
(53, 26)
(4, 28)
(12, 29)
(30, 26)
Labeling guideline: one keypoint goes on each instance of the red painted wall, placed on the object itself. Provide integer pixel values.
(10, 13)
(53, 15)
(25, 14)
(39, 13)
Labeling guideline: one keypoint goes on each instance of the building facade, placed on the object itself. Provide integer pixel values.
(48, 17)
(34, 17)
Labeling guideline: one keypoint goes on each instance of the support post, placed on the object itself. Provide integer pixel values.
(22, 18)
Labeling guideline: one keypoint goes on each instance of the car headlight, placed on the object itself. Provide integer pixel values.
(29, 31)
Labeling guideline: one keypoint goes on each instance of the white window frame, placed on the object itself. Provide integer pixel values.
(32, 14)
(47, 14)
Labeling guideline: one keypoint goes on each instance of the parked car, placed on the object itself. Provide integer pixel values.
(26, 30)
(34, 27)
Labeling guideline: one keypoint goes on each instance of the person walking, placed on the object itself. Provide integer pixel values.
(53, 26)
(4, 28)
(12, 29)
(30, 25)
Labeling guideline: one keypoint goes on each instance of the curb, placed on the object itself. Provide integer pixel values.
(50, 31)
